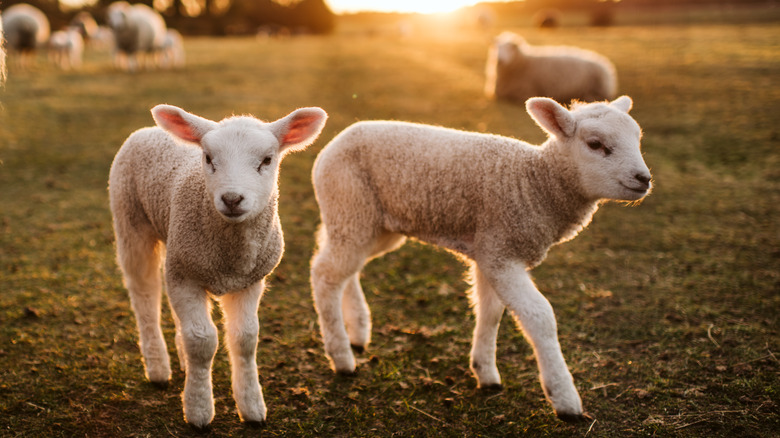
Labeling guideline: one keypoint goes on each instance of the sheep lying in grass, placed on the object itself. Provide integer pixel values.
(498, 202)
(66, 48)
(26, 29)
(517, 71)
(139, 32)
(205, 194)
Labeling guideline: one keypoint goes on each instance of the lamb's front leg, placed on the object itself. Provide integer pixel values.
(241, 331)
(192, 307)
(535, 316)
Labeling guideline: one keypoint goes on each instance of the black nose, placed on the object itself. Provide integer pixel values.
(644, 179)
(232, 200)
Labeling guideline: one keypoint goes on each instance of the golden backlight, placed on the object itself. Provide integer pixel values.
(421, 6)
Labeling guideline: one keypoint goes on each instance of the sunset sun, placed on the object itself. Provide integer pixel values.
(424, 7)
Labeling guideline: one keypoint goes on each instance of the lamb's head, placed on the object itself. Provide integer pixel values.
(241, 155)
(507, 49)
(601, 141)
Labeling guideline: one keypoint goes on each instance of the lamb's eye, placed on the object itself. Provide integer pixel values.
(266, 162)
(208, 159)
(597, 145)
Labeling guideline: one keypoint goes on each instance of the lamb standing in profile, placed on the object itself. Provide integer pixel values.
(26, 29)
(500, 203)
(205, 194)
(517, 71)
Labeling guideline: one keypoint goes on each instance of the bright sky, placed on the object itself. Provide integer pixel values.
(423, 6)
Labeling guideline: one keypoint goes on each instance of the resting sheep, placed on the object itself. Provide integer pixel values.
(66, 48)
(139, 31)
(204, 194)
(517, 71)
(498, 202)
(26, 29)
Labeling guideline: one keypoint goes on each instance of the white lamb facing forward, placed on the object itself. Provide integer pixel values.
(498, 202)
(517, 71)
(203, 195)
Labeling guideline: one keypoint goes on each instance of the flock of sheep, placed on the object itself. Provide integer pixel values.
(199, 198)
(136, 35)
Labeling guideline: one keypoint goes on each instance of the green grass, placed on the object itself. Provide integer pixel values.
(667, 311)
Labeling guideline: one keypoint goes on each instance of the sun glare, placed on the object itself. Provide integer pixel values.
(420, 6)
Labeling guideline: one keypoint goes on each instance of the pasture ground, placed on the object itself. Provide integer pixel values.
(667, 311)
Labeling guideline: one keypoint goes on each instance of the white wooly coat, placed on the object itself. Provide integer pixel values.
(139, 31)
(172, 55)
(499, 202)
(66, 48)
(203, 196)
(26, 29)
(517, 71)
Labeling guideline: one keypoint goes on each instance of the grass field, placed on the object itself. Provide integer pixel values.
(667, 311)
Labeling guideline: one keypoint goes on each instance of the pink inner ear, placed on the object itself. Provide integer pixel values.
(299, 130)
(179, 127)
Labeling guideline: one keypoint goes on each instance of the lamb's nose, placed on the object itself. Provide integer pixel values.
(232, 200)
(643, 178)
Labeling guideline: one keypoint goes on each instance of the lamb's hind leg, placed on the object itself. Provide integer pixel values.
(357, 314)
(241, 331)
(332, 267)
(139, 256)
(488, 309)
(535, 316)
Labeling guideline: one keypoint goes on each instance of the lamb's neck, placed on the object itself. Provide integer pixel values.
(559, 196)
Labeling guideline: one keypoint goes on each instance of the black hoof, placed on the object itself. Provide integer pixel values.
(348, 374)
(160, 385)
(255, 424)
(574, 418)
(200, 430)
(495, 387)
(359, 349)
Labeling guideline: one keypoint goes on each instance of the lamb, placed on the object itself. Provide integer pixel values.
(139, 31)
(26, 29)
(517, 71)
(66, 48)
(172, 50)
(497, 202)
(205, 193)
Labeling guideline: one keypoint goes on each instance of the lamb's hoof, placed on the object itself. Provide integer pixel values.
(347, 373)
(200, 430)
(162, 385)
(255, 424)
(359, 349)
(493, 387)
(574, 418)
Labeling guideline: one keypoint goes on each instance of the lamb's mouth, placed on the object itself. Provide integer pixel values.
(233, 216)
(637, 190)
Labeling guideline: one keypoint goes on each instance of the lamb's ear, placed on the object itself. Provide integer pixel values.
(299, 128)
(181, 124)
(623, 103)
(551, 116)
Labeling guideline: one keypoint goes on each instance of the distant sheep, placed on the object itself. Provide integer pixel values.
(204, 194)
(26, 29)
(498, 202)
(66, 48)
(172, 55)
(139, 33)
(86, 25)
(517, 71)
